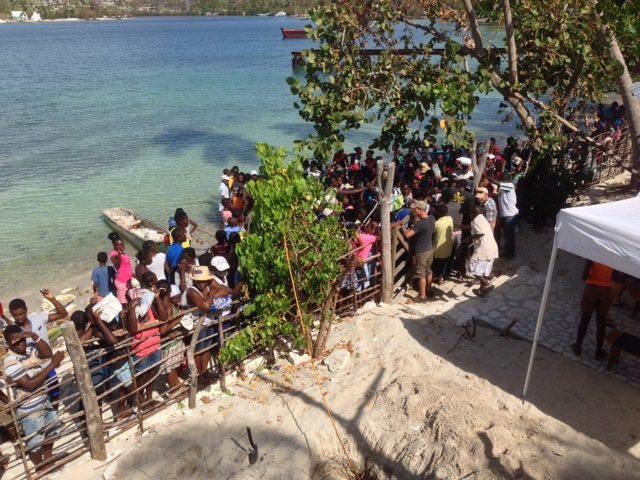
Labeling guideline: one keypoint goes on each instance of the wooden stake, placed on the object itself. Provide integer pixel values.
(221, 369)
(385, 223)
(191, 362)
(92, 412)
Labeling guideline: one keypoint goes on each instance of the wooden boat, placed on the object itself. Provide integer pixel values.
(136, 230)
(290, 33)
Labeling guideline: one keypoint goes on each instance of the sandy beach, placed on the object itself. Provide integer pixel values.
(412, 397)
(405, 407)
(412, 394)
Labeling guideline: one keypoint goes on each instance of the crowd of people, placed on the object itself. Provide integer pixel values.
(454, 228)
(457, 226)
(151, 290)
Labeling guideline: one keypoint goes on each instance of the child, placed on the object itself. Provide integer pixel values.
(103, 277)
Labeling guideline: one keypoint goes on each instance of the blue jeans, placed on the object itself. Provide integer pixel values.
(42, 423)
(509, 235)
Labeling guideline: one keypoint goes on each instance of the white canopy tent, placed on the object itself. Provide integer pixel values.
(608, 233)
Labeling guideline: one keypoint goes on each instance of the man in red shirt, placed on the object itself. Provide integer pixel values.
(596, 296)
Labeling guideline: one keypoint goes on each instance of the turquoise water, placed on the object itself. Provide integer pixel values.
(142, 113)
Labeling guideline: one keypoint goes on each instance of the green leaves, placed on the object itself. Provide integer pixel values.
(285, 210)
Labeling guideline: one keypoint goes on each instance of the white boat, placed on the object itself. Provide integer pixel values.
(281, 14)
(136, 229)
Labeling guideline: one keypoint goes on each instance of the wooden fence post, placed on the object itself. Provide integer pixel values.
(221, 369)
(92, 412)
(385, 224)
(191, 362)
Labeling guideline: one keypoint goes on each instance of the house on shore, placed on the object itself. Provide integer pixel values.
(19, 16)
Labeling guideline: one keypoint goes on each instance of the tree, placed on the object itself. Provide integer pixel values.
(290, 259)
(554, 67)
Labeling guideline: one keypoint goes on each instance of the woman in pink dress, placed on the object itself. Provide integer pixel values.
(122, 263)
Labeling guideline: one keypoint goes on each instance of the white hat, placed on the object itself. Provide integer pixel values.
(464, 160)
(220, 263)
(225, 177)
(175, 291)
(254, 172)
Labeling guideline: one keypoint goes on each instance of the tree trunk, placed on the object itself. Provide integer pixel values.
(478, 164)
(328, 313)
(511, 42)
(326, 320)
(385, 224)
(631, 105)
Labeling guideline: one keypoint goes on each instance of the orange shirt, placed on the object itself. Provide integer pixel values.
(600, 275)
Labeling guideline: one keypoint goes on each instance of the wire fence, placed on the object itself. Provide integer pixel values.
(132, 385)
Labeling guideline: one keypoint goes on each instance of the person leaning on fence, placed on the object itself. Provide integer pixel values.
(38, 323)
(23, 366)
(422, 257)
(139, 322)
(202, 295)
(90, 326)
(173, 350)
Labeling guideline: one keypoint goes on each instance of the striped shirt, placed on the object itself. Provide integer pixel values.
(490, 210)
(17, 366)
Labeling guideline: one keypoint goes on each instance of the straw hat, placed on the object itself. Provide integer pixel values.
(200, 274)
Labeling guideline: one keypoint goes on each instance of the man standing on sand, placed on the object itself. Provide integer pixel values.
(485, 251)
(37, 322)
(223, 190)
(422, 257)
(509, 215)
(25, 366)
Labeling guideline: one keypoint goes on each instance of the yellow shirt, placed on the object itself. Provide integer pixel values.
(186, 243)
(443, 237)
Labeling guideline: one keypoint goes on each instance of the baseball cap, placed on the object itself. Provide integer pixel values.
(220, 263)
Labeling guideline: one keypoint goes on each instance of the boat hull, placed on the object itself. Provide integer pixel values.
(201, 239)
(293, 33)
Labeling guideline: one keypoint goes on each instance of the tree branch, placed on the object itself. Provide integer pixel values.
(473, 25)
(511, 43)
(573, 82)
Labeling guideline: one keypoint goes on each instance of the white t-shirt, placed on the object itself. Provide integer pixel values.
(507, 200)
(157, 265)
(224, 192)
(39, 323)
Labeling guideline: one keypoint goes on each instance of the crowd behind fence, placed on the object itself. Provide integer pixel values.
(72, 439)
(607, 156)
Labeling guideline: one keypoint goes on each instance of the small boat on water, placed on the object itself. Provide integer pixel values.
(281, 14)
(290, 33)
(136, 230)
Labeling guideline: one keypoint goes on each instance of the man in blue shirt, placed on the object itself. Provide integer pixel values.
(174, 252)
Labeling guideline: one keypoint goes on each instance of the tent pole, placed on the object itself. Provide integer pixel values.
(543, 306)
